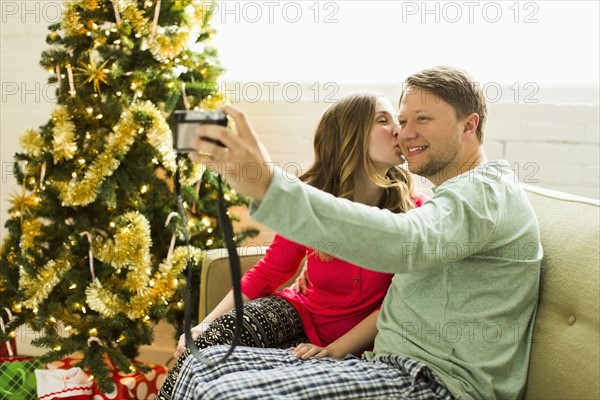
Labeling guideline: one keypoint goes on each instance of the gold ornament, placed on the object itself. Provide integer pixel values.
(94, 73)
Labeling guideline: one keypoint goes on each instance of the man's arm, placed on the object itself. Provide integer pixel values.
(428, 237)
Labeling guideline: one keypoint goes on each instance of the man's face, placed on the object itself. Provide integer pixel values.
(430, 135)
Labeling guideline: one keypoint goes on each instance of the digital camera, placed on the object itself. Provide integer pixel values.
(186, 123)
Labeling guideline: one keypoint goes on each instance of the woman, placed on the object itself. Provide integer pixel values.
(357, 158)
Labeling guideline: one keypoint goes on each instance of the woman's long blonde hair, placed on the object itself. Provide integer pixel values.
(341, 144)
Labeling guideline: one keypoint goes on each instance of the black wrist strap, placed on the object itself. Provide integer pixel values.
(235, 268)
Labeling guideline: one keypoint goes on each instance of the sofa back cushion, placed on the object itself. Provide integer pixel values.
(215, 279)
(565, 350)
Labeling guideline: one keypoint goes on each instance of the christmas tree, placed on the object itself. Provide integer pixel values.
(95, 252)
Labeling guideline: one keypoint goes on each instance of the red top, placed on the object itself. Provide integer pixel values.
(340, 294)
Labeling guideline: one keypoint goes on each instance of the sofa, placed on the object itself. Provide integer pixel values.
(565, 352)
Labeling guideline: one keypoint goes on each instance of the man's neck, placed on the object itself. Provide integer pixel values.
(471, 161)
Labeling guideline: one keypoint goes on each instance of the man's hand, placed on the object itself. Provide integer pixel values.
(244, 161)
(196, 331)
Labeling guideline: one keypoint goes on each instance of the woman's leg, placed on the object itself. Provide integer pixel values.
(268, 322)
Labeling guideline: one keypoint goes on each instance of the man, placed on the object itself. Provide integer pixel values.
(458, 318)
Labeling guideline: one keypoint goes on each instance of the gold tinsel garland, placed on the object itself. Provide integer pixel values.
(161, 288)
(84, 191)
(135, 17)
(171, 41)
(31, 231)
(64, 145)
(130, 249)
(38, 287)
(71, 22)
(197, 170)
(32, 142)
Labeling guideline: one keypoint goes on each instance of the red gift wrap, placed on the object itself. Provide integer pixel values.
(8, 349)
(129, 386)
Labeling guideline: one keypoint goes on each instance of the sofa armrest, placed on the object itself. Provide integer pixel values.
(215, 278)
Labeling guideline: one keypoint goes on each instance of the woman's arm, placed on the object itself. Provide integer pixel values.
(355, 341)
(279, 264)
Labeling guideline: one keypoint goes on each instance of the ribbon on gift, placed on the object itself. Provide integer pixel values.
(63, 383)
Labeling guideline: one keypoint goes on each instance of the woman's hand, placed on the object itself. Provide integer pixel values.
(242, 153)
(301, 283)
(304, 351)
(196, 331)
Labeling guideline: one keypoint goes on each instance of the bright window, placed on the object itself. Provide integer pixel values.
(545, 42)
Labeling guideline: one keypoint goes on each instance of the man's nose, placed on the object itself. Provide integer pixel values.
(407, 131)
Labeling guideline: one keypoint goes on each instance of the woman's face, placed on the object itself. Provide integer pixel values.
(384, 151)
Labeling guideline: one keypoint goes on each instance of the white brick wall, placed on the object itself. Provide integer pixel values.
(550, 145)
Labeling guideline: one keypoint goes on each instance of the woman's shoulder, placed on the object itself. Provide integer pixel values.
(418, 198)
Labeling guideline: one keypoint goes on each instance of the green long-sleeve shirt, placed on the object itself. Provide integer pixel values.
(467, 266)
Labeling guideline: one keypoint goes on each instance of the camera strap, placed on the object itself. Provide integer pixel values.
(235, 269)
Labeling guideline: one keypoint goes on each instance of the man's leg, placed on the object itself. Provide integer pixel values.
(277, 374)
(268, 322)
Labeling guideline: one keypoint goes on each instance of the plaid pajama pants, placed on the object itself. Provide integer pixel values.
(276, 374)
(269, 321)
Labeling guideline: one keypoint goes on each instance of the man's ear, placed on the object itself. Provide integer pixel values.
(471, 122)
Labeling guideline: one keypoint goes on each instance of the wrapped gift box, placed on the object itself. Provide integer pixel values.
(17, 377)
(129, 385)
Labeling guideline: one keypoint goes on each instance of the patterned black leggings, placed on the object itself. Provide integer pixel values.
(268, 322)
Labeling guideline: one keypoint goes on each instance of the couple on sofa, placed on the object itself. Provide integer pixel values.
(461, 298)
